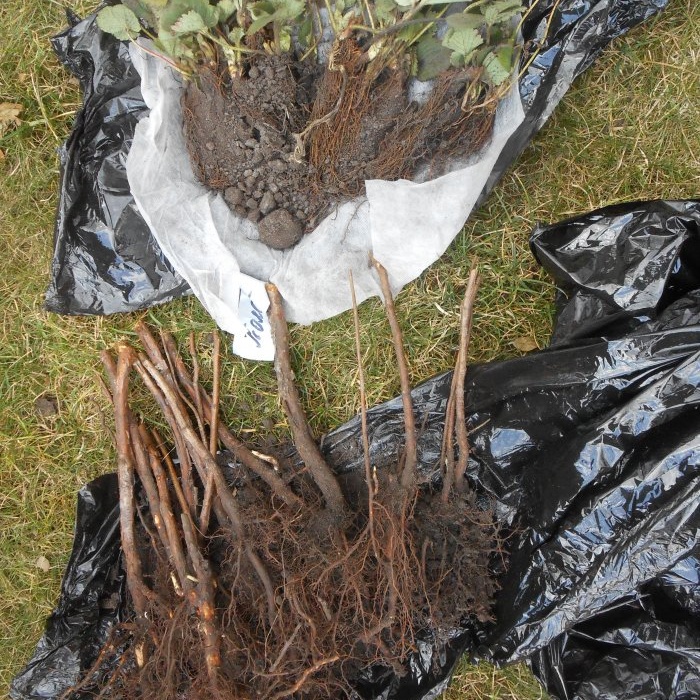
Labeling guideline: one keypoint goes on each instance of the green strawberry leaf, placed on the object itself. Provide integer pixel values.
(464, 20)
(235, 35)
(501, 11)
(119, 21)
(384, 10)
(433, 58)
(189, 23)
(498, 65)
(463, 41)
(226, 9)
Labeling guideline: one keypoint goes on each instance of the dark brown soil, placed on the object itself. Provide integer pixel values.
(242, 134)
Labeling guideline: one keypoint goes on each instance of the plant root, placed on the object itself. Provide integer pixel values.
(318, 133)
(269, 583)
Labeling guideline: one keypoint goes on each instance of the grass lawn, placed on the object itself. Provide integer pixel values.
(627, 130)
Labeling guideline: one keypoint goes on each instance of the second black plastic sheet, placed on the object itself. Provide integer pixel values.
(589, 449)
(105, 259)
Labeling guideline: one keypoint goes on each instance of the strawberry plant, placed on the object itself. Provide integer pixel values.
(291, 105)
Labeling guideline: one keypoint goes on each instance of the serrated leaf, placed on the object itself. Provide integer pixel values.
(440, 2)
(463, 41)
(226, 9)
(155, 4)
(464, 20)
(261, 7)
(306, 29)
(289, 9)
(236, 35)
(189, 23)
(500, 11)
(433, 58)
(262, 21)
(282, 11)
(384, 10)
(119, 21)
(404, 3)
(409, 33)
(285, 40)
(168, 43)
(498, 66)
(141, 9)
(177, 8)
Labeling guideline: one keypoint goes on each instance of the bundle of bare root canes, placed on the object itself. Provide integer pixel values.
(252, 579)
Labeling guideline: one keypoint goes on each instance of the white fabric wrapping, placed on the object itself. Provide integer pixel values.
(406, 225)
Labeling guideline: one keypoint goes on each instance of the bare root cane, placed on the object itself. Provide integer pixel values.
(408, 474)
(262, 581)
(289, 395)
(456, 418)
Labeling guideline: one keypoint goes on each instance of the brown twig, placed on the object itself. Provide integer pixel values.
(169, 521)
(236, 447)
(208, 466)
(213, 434)
(289, 396)
(195, 370)
(159, 357)
(408, 475)
(149, 484)
(202, 598)
(467, 314)
(125, 472)
(455, 414)
(153, 352)
(363, 412)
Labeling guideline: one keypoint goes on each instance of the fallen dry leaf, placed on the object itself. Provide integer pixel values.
(9, 116)
(2, 154)
(524, 343)
(43, 564)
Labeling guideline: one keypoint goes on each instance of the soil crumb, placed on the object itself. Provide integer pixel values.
(287, 141)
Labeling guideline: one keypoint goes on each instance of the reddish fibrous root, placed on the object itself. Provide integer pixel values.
(290, 591)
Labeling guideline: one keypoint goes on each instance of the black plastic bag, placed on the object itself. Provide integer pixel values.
(91, 600)
(590, 449)
(105, 259)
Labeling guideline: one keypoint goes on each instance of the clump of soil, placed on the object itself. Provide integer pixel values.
(295, 137)
(251, 576)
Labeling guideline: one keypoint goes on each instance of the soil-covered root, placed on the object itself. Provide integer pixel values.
(253, 577)
(296, 137)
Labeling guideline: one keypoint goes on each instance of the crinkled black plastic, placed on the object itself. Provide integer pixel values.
(590, 449)
(92, 595)
(105, 259)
